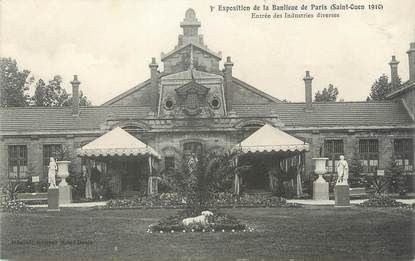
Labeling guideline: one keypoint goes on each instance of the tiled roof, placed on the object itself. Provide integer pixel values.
(407, 86)
(21, 119)
(331, 114)
(291, 114)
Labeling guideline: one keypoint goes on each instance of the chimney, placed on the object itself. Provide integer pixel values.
(75, 95)
(394, 73)
(411, 57)
(154, 85)
(228, 83)
(308, 91)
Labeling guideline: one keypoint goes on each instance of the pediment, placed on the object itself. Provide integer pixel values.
(217, 56)
(192, 87)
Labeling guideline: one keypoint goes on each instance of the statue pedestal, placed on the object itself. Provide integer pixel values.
(320, 190)
(53, 199)
(342, 195)
(65, 194)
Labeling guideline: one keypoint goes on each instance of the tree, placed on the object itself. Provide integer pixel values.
(54, 95)
(14, 84)
(381, 88)
(39, 97)
(327, 95)
(51, 95)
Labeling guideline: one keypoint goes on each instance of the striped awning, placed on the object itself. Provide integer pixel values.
(268, 139)
(116, 142)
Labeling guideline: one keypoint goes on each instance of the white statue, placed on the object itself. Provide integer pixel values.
(202, 219)
(52, 173)
(342, 171)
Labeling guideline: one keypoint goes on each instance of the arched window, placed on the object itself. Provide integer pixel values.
(193, 147)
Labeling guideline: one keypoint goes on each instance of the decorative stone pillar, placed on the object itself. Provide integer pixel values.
(320, 186)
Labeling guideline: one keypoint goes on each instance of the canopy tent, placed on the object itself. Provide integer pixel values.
(272, 140)
(116, 142)
(268, 139)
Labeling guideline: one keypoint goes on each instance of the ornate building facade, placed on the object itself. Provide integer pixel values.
(194, 105)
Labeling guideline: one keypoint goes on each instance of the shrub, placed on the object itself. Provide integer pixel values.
(356, 178)
(397, 179)
(383, 201)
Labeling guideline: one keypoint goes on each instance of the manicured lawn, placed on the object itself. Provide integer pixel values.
(310, 233)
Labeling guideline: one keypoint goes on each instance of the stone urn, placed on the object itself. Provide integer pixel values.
(63, 172)
(320, 169)
(320, 185)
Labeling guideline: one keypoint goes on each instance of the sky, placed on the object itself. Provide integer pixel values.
(109, 43)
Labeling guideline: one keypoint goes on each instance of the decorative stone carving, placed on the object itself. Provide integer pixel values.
(191, 97)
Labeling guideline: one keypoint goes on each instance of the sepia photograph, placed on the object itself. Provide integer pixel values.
(207, 130)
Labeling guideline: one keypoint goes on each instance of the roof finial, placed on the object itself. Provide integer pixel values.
(190, 23)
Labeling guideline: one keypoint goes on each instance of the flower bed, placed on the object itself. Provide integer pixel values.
(14, 206)
(229, 200)
(164, 200)
(383, 201)
(216, 223)
(221, 200)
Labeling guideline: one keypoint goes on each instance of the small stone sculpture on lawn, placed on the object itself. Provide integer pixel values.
(342, 171)
(52, 173)
(202, 219)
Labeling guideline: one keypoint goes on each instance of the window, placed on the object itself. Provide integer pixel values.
(192, 101)
(17, 161)
(369, 154)
(404, 153)
(193, 147)
(169, 162)
(50, 150)
(332, 150)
